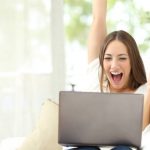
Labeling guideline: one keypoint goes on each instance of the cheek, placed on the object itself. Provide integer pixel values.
(127, 67)
(106, 66)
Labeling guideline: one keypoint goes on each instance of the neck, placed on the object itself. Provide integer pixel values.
(123, 90)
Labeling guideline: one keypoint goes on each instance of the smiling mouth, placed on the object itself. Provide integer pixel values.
(116, 76)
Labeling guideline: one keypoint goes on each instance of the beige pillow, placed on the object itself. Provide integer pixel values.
(45, 135)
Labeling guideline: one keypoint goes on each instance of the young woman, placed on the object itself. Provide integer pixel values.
(109, 50)
(121, 68)
(117, 59)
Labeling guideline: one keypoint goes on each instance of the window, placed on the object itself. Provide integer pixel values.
(32, 59)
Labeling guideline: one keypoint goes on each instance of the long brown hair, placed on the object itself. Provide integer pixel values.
(137, 75)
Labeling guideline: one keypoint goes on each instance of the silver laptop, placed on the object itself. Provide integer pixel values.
(99, 119)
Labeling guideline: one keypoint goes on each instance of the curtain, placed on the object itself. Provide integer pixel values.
(32, 61)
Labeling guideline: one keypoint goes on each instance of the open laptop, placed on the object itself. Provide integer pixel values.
(99, 119)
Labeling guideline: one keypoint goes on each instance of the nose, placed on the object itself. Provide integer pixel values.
(114, 63)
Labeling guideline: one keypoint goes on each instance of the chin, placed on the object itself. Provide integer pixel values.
(117, 88)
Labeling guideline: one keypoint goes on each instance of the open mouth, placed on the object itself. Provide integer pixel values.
(116, 76)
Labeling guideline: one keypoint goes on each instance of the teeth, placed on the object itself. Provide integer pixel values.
(115, 73)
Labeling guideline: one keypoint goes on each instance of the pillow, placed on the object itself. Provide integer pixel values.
(45, 135)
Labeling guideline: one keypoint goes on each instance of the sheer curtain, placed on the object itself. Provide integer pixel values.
(32, 61)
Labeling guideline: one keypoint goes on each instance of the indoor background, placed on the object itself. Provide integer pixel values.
(43, 49)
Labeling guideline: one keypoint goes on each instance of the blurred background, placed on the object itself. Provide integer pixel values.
(43, 49)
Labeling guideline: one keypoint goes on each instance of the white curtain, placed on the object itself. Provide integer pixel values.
(32, 61)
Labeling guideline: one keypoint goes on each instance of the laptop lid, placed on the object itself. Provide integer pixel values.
(98, 119)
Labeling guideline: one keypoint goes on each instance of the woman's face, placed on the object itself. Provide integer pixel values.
(117, 66)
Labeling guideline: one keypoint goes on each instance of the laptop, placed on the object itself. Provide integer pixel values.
(100, 119)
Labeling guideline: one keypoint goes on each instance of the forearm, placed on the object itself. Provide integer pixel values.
(146, 112)
(99, 8)
(98, 28)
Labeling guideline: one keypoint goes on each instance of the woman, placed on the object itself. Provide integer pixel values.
(121, 70)
(99, 48)
(121, 66)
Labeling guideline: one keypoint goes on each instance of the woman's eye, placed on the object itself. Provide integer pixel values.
(123, 58)
(107, 58)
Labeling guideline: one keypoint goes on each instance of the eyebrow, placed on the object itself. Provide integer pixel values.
(118, 55)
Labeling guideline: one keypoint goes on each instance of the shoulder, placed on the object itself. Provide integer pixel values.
(94, 65)
(93, 68)
(90, 79)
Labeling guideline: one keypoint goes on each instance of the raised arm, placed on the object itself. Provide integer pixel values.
(98, 28)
